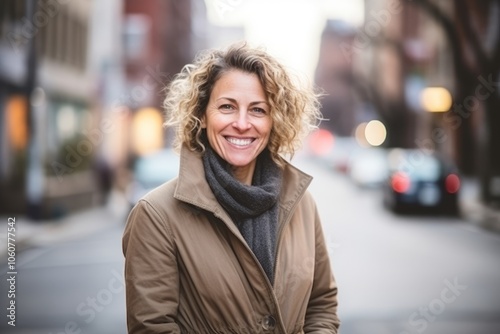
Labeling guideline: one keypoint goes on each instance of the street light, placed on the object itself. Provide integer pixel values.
(436, 99)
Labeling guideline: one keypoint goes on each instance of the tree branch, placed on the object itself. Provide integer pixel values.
(463, 12)
(496, 48)
(445, 22)
(369, 92)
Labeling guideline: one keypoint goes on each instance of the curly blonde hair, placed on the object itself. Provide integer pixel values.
(294, 108)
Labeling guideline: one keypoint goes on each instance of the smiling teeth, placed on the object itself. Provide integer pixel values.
(239, 142)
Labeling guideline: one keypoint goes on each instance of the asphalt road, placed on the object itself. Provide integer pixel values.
(395, 274)
(75, 286)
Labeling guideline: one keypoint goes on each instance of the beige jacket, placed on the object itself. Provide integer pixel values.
(189, 270)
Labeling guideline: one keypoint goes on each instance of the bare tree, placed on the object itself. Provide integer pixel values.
(474, 37)
(393, 112)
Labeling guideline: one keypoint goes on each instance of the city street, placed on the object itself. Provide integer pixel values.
(94, 95)
(395, 274)
(75, 286)
(392, 271)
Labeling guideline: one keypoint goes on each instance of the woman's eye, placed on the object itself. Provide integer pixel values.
(259, 110)
(226, 107)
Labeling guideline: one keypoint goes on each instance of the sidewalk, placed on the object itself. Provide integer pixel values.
(474, 211)
(43, 233)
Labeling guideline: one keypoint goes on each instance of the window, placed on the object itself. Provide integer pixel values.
(136, 35)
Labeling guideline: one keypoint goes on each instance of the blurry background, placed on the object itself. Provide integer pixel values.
(406, 162)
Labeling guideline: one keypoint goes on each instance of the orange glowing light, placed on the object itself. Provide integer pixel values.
(17, 109)
(147, 131)
(436, 99)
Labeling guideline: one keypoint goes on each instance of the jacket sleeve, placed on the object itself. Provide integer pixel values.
(321, 315)
(151, 275)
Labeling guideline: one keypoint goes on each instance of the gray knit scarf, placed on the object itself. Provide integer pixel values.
(254, 208)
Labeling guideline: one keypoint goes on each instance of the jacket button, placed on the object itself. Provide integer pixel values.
(268, 323)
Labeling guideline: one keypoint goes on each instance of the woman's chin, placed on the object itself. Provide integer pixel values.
(240, 157)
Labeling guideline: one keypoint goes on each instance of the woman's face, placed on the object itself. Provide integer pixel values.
(238, 122)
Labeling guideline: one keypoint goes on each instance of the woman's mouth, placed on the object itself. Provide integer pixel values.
(240, 141)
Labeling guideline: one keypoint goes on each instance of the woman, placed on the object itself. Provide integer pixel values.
(234, 244)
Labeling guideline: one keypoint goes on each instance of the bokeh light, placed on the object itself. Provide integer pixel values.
(375, 133)
(321, 142)
(359, 134)
(147, 131)
(436, 99)
(16, 112)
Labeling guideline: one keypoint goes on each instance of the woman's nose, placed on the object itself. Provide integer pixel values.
(242, 122)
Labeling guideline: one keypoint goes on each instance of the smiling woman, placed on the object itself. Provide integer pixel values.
(234, 244)
(237, 123)
(292, 108)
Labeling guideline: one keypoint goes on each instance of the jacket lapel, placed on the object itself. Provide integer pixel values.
(193, 188)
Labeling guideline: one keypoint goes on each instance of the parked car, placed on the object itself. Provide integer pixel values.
(421, 181)
(331, 150)
(150, 171)
(368, 167)
(343, 149)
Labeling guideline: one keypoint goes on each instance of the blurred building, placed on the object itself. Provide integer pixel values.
(426, 60)
(46, 97)
(81, 90)
(398, 53)
(106, 65)
(379, 68)
(160, 37)
(334, 76)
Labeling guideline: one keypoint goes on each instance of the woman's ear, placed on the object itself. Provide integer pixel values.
(203, 122)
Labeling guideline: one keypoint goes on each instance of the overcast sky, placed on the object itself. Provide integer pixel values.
(289, 29)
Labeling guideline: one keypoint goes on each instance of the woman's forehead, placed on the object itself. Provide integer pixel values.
(239, 82)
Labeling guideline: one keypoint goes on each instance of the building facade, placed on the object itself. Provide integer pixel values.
(46, 100)
(333, 76)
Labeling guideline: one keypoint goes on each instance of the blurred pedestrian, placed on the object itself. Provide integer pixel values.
(234, 244)
(105, 178)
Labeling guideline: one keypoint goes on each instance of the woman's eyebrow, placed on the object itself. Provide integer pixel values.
(234, 100)
(258, 102)
(226, 98)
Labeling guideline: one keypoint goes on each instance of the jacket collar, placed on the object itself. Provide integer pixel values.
(193, 188)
